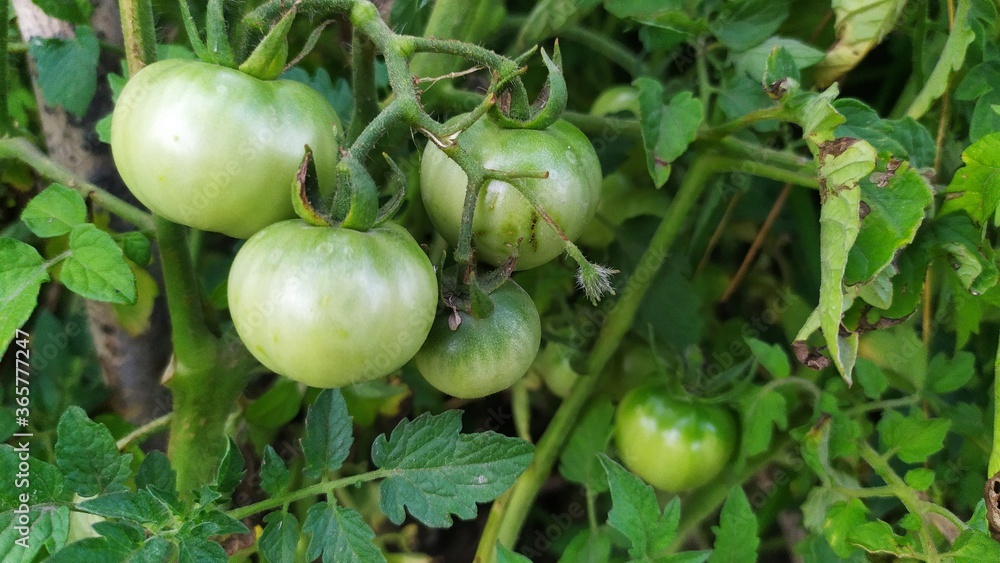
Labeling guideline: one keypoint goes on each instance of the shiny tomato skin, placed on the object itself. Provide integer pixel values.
(674, 444)
(216, 149)
(329, 306)
(504, 219)
(483, 356)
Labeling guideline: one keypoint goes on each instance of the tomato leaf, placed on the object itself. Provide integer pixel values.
(636, 513)
(136, 247)
(48, 531)
(505, 555)
(904, 138)
(744, 23)
(72, 11)
(667, 129)
(972, 546)
(860, 27)
(550, 17)
(276, 406)
(21, 277)
(871, 377)
(947, 375)
(767, 410)
(96, 269)
(435, 472)
(877, 537)
(736, 535)
(67, 69)
(329, 433)
(274, 475)
(280, 539)
(139, 506)
(753, 61)
(920, 479)
(975, 188)
(200, 550)
(339, 535)
(579, 462)
(588, 546)
(55, 211)
(913, 437)
(951, 59)
(231, 470)
(87, 455)
(157, 476)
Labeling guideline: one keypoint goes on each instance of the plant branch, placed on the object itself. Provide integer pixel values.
(994, 465)
(363, 81)
(23, 150)
(305, 492)
(150, 427)
(139, 33)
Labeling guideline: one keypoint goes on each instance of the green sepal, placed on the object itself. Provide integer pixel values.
(216, 39)
(480, 304)
(305, 191)
(267, 61)
(549, 105)
(397, 187)
(356, 194)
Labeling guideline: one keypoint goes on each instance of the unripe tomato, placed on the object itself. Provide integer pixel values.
(673, 444)
(216, 149)
(486, 355)
(329, 306)
(504, 220)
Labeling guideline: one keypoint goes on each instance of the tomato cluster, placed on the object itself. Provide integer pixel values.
(218, 150)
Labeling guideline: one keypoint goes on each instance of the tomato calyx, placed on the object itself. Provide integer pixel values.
(354, 204)
(511, 110)
(267, 61)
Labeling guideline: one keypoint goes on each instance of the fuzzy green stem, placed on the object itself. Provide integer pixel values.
(305, 492)
(23, 150)
(905, 494)
(363, 81)
(766, 114)
(508, 513)
(140, 35)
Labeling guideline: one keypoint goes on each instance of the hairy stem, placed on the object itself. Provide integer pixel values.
(22, 149)
(305, 492)
(363, 83)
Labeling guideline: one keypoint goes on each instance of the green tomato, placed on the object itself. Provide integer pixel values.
(483, 356)
(505, 222)
(329, 306)
(215, 149)
(673, 444)
(554, 364)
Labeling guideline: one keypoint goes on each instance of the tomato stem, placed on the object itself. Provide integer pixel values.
(994, 464)
(305, 492)
(363, 84)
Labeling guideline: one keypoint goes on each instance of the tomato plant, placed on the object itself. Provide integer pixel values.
(353, 305)
(482, 355)
(506, 223)
(673, 444)
(216, 149)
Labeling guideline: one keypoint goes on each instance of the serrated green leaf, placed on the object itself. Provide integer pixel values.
(913, 437)
(22, 274)
(87, 455)
(902, 138)
(841, 519)
(894, 212)
(137, 248)
(742, 24)
(141, 507)
(339, 535)
(754, 60)
(274, 475)
(973, 546)
(435, 472)
(871, 377)
(736, 535)
(505, 555)
(47, 532)
(875, 537)
(578, 461)
(975, 188)
(767, 410)
(636, 514)
(277, 406)
(55, 211)
(91, 550)
(72, 11)
(946, 375)
(329, 433)
(588, 546)
(97, 269)
(280, 539)
(920, 479)
(549, 17)
(860, 26)
(67, 69)
(667, 129)
(198, 550)
(779, 65)
(231, 470)
(772, 357)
